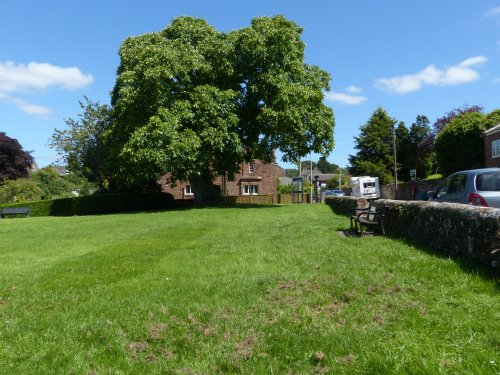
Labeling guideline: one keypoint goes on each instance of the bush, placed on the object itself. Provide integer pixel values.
(20, 190)
(53, 185)
(99, 204)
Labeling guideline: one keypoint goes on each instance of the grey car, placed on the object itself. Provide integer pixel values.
(478, 187)
(334, 193)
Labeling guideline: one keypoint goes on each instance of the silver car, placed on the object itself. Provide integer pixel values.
(478, 187)
(334, 193)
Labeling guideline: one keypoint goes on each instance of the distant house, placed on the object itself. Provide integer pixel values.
(254, 178)
(317, 175)
(61, 170)
(492, 147)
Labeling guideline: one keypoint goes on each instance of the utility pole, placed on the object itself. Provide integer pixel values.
(311, 177)
(340, 178)
(395, 159)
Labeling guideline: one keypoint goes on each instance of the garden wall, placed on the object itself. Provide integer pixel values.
(454, 229)
(263, 199)
(405, 190)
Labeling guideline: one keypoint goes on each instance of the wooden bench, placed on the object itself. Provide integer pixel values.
(14, 211)
(368, 217)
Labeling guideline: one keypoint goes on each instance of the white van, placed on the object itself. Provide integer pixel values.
(365, 187)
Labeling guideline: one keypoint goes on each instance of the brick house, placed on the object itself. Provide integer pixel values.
(492, 147)
(254, 178)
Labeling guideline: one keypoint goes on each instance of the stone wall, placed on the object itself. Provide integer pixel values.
(405, 190)
(454, 229)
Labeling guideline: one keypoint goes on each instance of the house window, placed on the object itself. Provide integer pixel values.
(251, 189)
(187, 190)
(251, 167)
(495, 149)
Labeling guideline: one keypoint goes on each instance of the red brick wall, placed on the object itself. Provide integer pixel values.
(260, 174)
(489, 161)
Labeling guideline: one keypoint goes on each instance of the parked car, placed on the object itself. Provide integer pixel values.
(334, 193)
(478, 187)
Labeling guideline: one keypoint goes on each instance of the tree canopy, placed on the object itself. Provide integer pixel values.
(374, 145)
(80, 145)
(15, 162)
(195, 102)
(460, 145)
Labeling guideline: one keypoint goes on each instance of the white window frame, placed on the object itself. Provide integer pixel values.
(187, 190)
(495, 148)
(251, 167)
(250, 189)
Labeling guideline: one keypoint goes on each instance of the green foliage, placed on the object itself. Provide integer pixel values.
(81, 146)
(52, 184)
(100, 204)
(283, 188)
(460, 144)
(194, 102)
(333, 183)
(402, 148)
(420, 147)
(291, 172)
(493, 118)
(326, 167)
(20, 190)
(375, 153)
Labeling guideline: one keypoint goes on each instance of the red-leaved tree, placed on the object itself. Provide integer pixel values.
(14, 161)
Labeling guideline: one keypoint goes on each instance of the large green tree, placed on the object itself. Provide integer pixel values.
(195, 102)
(374, 144)
(326, 167)
(460, 145)
(420, 147)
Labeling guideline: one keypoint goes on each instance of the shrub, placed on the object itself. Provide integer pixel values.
(20, 190)
(100, 204)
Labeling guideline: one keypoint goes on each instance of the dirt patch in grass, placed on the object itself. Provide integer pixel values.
(156, 330)
(347, 359)
(135, 348)
(244, 349)
(204, 329)
(378, 320)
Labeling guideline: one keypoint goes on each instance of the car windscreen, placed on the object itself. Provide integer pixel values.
(488, 181)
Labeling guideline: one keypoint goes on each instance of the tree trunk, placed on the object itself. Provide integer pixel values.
(205, 192)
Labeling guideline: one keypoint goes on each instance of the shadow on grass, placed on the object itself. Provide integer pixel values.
(466, 263)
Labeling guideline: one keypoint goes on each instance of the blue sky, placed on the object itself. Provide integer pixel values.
(410, 58)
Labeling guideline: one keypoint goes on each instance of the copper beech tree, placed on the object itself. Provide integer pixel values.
(15, 162)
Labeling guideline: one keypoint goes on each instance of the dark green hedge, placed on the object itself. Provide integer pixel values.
(99, 204)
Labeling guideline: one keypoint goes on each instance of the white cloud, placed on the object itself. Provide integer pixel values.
(35, 76)
(344, 98)
(25, 106)
(27, 79)
(492, 13)
(463, 72)
(354, 90)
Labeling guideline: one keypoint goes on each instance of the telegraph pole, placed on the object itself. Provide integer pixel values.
(395, 160)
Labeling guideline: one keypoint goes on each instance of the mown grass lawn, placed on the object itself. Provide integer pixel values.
(259, 290)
